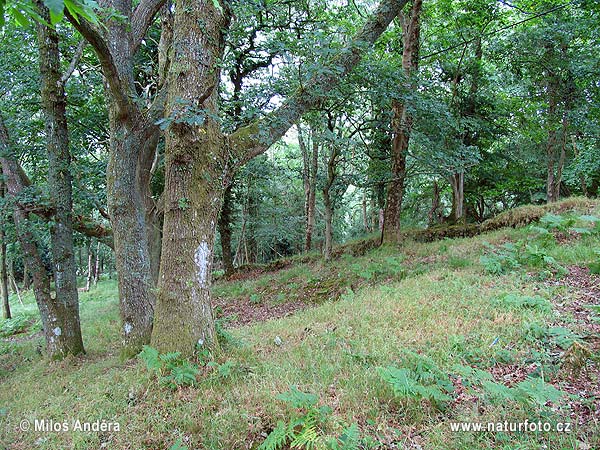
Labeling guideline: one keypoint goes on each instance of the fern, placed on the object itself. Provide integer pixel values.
(350, 438)
(423, 381)
(305, 430)
(151, 357)
(297, 398)
(172, 370)
(276, 438)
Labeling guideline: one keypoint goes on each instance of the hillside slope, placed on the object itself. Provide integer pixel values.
(384, 350)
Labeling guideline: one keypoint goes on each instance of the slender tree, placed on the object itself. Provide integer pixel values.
(54, 105)
(402, 121)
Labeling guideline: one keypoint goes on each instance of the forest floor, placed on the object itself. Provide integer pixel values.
(392, 349)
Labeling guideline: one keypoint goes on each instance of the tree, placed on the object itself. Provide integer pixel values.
(198, 155)
(402, 121)
(133, 139)
(54, 105)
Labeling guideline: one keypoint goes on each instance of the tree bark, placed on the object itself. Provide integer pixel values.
(132, 130)
(435, 214)
(225, 230)
(13, 282)
(365, 216)
(327, 201)
(54, 105)
(457, 182)
(26, 277)
(97, 265)
(402, 123)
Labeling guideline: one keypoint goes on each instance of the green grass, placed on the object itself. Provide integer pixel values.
(434, 299)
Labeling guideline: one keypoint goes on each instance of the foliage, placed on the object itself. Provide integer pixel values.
(170, 369)
(531, 392)
(306, 429)
(17, 324)
(510, 257)
(421, 380)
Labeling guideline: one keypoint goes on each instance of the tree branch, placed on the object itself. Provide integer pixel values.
(142, 18)
(76, 58)
(109, 68)
(254, 139)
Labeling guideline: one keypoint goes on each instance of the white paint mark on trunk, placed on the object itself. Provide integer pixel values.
(57, 331)
(202, 259)
(127, 328)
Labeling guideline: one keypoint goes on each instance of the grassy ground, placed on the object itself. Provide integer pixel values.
(423, 307)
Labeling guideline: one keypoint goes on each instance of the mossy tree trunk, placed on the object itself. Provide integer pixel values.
(194, 177)
(54, 105)
(225, 230)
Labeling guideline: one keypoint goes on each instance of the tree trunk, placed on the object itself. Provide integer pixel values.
(54, 105)
(328, 224)
(90, 268)
(26, 278)
(365, 216)
(309, 176)
(97, 265)
(225, 230)
(13, 281)
(132, 255)
(312, 191)
(56, 316)
(402, 124)
(3, 266)
(457, 182)
(132, 132)
(434, 215)
(193, 182)
(327, 201)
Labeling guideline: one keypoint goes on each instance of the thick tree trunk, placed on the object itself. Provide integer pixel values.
(435, 214)
(132, 131)
(327, 201)
(128, 219)
(309, 177)
(402, 124)
(193, 182)
(54, 104)
(225, 230)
